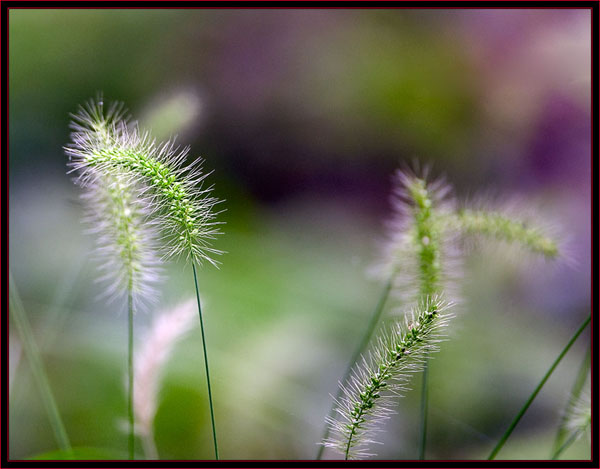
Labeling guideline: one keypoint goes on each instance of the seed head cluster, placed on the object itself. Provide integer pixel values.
(422, 260)
(113, 159)
(371, 392)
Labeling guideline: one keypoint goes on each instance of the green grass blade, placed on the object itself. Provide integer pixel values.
(32, 352)
(537, 389)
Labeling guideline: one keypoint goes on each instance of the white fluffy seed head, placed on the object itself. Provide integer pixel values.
(167, 329)
(119, 217)
(579, 415)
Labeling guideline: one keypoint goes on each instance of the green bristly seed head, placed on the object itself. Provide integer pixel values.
(420, 256)
(421, 261)
(426, 238)
(371, 392)
(502, 227)
(106, 142)
(424, 252)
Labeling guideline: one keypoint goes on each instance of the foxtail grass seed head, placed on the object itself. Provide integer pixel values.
(105, 141)
(371, 392)
(506, 228)
(126, 241)
(578, 418)
(419, 253)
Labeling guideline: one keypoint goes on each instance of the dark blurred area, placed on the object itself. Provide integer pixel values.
(304, 114)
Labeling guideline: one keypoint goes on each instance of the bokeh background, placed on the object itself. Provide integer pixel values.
(304, 115)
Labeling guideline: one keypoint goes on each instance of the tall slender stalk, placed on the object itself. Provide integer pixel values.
(32, 352)
(210, 402)
(533, 395)
(428, 249)
(424, 408)
(357, 353)
(131, 440)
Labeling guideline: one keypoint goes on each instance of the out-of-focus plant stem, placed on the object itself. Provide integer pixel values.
(32, 353)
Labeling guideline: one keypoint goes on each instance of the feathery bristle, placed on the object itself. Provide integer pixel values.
(119, 217)
(166, 330)
(105, 142)
(578, 418)
(371, 392)
(412, 237)
(511, 221)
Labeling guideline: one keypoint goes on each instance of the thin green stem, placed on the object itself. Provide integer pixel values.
(424, 408)
(347, 452)
(210, 402)
(32, 352)
(565, 445)
(575, 392)
(538, 388)
(429, 257)
(358, 351)
(131, 441)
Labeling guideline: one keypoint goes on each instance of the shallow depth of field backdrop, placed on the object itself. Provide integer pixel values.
(304, 115)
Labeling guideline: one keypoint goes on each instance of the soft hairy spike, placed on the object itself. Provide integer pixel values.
(576, 422)
(500, 226)
(419, 253)
(105, 142)
(167, 329)
(426, 237)
(579, 417)
(371, 392)
(125, 238)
